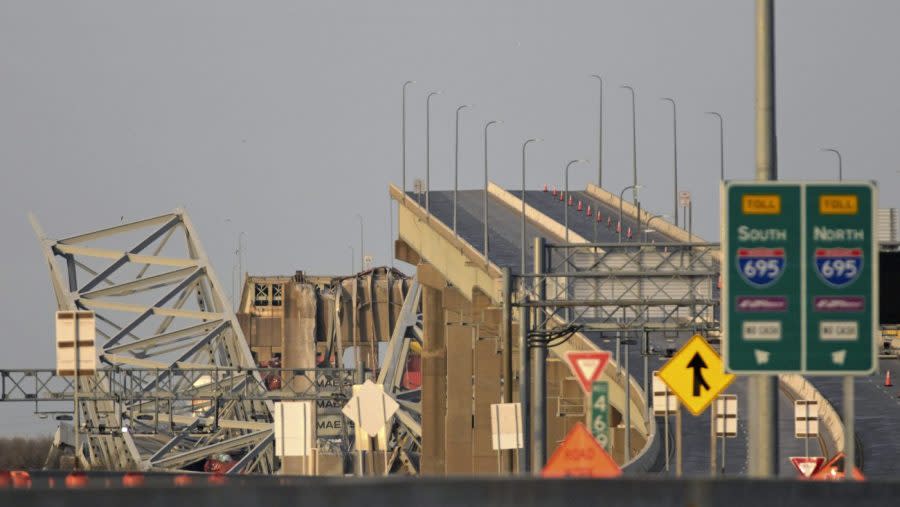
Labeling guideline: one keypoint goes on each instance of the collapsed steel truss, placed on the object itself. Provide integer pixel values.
(159, 307)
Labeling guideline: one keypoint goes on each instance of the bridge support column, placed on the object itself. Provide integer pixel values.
(298, 345)
(434, 372)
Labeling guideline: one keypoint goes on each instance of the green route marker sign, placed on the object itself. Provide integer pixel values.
(599, 413)
(800, 278)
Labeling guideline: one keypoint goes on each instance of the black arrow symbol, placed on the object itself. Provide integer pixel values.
(697, 363)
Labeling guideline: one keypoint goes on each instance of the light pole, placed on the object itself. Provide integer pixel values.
(633, 143)
(428, 150)
(403, 131)
(362, 264)
(524, 145)
(622, 197)
(721, 144)
(352, 260)
(674, 156)
(456, 165)
(647, 229)
(600, 134)
(840, 162)
(566, 204)
(486, 126)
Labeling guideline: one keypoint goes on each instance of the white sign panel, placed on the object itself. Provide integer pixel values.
(664, 400)
(806, 418)
(727, 415)
(684, 198)
(506, 426)
(66, 334)
(294, 428)
(370, 408)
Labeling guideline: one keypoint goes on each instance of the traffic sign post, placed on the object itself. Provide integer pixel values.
(804, 249)
(664, 403)
(806, 420)
(807, 250)
(725, 423)
(599, 413)
(696, 375)
(587, 366)
(370, 408)
(807, 465)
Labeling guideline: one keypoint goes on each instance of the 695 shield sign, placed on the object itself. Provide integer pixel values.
(760, 267)
(839, 267)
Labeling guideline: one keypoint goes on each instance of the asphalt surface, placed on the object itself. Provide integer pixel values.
(505, 250)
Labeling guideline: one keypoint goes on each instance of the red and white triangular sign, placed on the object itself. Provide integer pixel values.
(807, 466)
(587, 366)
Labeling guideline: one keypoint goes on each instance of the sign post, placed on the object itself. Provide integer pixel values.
(76, 355)
(806, 420)
(806, 249)
(664, 403)
(726, 420)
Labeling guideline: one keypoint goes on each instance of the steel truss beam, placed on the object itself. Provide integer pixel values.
(171, 338)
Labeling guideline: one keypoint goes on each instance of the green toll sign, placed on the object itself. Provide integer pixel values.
(799, 277)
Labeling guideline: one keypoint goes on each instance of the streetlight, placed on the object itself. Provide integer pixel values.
(524, 145)
(428, 149)
(456, 165)
(352, 260)
(674, 156)
(840, 162)
(362, 264)
(647, 228)
(633, 142)
(621, 197)
(403, 131)
(566, 204)
(486, 125)
(600, 134)
(721, 144)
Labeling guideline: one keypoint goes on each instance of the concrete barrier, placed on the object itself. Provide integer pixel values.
(468, 492)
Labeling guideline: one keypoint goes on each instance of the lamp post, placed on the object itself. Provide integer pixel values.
(524, 145)
(362, 264)
(647, 224)
(486, 126)
(428, 150)
(456, 165)
(600, 134)
(352, 260)
(840, 162)
(721, 144)
(633, 143)
(566, 204)
(634, 188)
(674, 156)
(403, 131)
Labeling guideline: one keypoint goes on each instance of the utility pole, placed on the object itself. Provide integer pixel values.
(763, 425)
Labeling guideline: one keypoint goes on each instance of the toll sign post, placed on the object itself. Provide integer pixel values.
(804, 250)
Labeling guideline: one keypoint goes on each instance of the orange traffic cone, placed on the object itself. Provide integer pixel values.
(570, 200)
(545, 187)
(887, 379)
(554, 190)
(628, 233)
(599, 217)
(588, 212)
(608, 222)
(580, 208)
(619, 226)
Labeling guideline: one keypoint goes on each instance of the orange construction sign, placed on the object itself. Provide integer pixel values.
(579, 455)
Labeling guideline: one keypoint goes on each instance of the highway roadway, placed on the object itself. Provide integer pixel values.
(505, 250)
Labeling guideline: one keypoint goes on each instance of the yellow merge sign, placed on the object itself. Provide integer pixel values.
(696, 375)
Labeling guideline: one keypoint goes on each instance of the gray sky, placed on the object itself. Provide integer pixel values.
(284, 116)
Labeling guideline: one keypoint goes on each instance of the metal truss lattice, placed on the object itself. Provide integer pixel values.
(159, 307)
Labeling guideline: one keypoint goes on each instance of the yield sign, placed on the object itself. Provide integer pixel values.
(580, 456)
(587, 366)
(696, 375)
(807, 466)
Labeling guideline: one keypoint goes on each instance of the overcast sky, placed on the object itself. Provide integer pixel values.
(282, 118)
